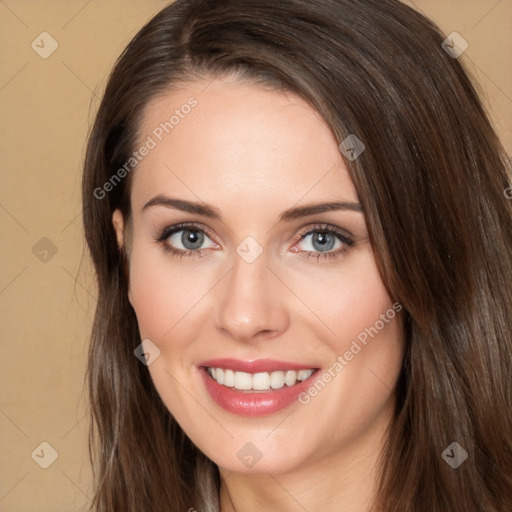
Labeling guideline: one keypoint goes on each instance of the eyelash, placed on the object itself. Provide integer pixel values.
(322, 228)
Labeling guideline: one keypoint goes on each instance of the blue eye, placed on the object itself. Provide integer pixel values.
(191, 238)
(326, 241)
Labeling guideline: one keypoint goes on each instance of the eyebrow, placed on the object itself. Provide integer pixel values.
(212, 212)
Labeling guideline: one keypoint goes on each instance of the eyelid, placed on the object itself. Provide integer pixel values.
(182, 226)
(319, 226)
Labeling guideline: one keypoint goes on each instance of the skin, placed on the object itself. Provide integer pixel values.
(253, 153)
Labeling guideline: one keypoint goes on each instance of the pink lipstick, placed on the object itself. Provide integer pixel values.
(255, 388)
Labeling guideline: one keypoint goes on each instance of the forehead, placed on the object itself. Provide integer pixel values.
(226, 142)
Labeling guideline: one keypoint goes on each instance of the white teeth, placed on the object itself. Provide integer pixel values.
(243, 380)
(277, 380)
(290, 378)
(304, 374)
(263, 381)
(229, 378)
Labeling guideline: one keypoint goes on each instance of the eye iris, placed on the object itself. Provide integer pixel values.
(323, 239)
(193, 237)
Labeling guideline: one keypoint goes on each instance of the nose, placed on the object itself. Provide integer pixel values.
(250, 305)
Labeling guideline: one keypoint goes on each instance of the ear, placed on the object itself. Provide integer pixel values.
(118, 222)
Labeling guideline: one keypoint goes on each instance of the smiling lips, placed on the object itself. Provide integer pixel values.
(254, 388)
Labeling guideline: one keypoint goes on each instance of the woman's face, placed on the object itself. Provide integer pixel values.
(249, 292)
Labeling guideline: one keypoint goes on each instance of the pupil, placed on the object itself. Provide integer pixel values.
(192, 239)
(323, 239)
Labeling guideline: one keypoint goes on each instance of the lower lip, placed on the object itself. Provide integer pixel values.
(257, 403)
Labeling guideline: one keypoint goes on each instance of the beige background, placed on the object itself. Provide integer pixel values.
(47, 306)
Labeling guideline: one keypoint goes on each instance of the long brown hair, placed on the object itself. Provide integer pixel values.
(432, 183)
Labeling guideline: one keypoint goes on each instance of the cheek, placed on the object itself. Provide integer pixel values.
(362, 329)
(346, 301)
(161, 293)
(150, 297)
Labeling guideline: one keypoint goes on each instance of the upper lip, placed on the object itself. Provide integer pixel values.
(255, 366)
